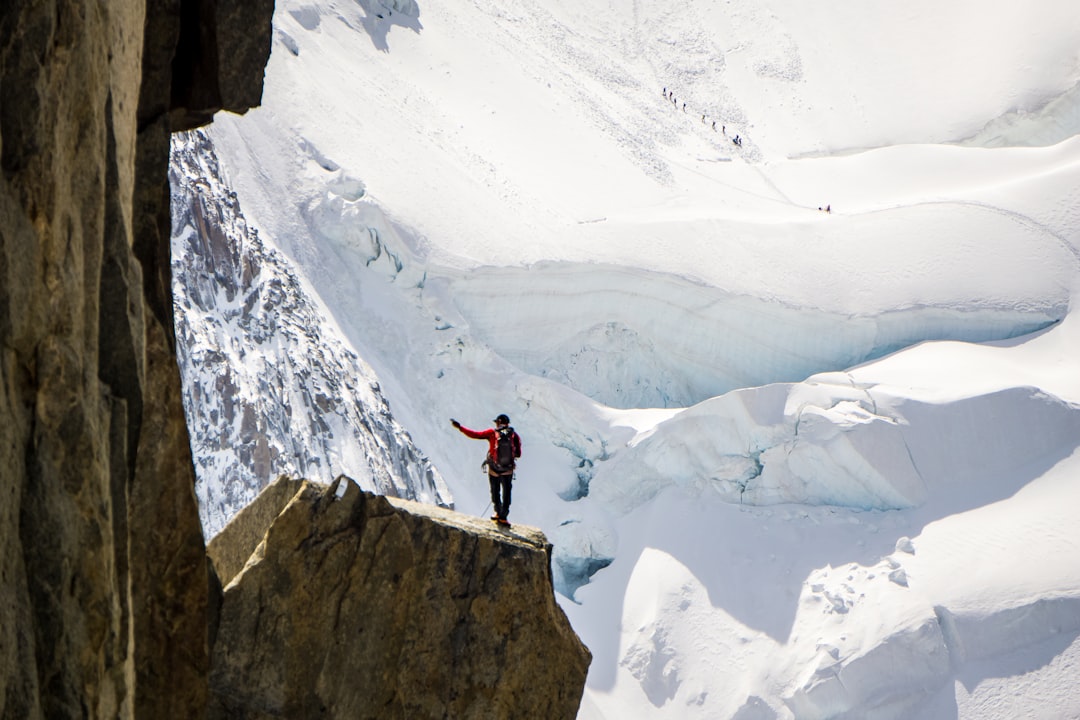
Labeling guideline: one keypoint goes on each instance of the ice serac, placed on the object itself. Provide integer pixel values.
(270, 385)
(832, 440)
(103, 577)
(353, 605)
(888, 682)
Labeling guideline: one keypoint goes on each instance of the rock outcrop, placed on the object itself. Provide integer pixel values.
(103, 577)
(353, 605)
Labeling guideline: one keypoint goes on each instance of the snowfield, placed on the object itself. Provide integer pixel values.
(794, 463)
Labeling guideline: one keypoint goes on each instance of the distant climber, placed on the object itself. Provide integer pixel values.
(504, 448)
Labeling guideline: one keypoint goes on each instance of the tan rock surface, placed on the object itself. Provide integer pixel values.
(103, 576)
(362, 606)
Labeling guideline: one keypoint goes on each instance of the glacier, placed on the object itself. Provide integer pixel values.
(793, 464)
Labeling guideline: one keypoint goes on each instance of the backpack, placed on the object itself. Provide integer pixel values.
(504, 451)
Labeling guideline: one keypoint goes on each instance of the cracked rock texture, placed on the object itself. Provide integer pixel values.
(103, 576)
(353, 605)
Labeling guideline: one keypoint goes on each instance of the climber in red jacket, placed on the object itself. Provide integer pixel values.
(504, 448)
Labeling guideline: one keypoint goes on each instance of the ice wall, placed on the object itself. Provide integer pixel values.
(1049, 124)
(628, 337)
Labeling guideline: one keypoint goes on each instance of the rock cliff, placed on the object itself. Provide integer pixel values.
(108, 605)
(103, 578)
(351, 605)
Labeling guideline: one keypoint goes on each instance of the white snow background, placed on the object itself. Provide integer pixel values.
(817, 465)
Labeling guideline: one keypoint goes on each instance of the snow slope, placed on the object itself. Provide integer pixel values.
(795, 463)
(816, 595)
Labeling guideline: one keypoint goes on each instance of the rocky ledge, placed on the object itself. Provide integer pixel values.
(339, 603)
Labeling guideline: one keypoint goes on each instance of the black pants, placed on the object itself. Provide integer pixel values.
(500, 483)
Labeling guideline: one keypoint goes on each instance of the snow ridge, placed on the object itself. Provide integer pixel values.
(832, 441)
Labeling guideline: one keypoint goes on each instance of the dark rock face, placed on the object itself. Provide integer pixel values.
(103, 579)
(352, 605)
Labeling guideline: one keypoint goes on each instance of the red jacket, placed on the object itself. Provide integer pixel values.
(492, 436)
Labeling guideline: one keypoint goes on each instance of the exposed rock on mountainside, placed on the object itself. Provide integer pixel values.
(270, 385)
(103, 578)
(353, 605)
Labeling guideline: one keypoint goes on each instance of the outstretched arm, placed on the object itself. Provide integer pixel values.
(475, 434)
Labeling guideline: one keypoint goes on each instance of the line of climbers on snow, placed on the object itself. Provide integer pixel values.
(736, 140)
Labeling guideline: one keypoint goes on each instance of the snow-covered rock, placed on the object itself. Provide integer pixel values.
(270, 387)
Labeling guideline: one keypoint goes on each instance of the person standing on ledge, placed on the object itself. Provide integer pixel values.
(504, 448)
